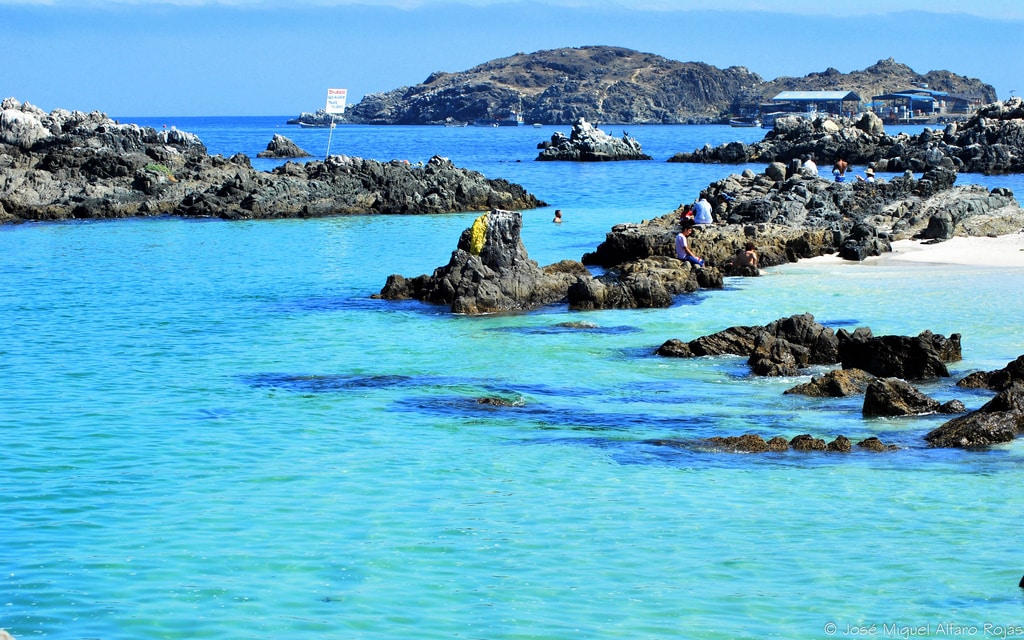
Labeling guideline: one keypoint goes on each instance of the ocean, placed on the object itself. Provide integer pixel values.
(212, 431)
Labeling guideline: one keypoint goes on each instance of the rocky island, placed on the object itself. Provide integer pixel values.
(614, 85)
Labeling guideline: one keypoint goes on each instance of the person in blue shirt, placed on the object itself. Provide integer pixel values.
(702, 212)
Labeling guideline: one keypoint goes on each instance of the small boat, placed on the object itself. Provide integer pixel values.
(745, 121)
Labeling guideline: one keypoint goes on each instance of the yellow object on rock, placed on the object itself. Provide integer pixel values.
(478, 235)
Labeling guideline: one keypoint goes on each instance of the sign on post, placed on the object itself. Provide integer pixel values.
(336, 100)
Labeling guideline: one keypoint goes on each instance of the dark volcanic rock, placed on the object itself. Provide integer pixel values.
(779, 348)
(489, 272)
(282, 147)
(999, 420)
(838, 383)
(906, 357)
(996, 380)
(66, 165)
(587, 143)
(895, 397)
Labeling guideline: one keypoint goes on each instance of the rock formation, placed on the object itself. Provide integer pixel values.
(999, 420)
(282, 147)
(911, 358)
(997, 380)
(66, 165)
(587, 143)
(895, 397)
(991, 141)
(489, 272)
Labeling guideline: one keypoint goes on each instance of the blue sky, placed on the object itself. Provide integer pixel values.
(270, 57)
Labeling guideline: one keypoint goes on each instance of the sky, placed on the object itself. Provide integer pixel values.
(279, 57)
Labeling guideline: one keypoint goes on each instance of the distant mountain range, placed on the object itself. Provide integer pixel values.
(613, 85)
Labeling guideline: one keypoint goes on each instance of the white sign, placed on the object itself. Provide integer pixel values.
(336, 100)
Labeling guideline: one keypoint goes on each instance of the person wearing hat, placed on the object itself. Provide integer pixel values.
(870, 175)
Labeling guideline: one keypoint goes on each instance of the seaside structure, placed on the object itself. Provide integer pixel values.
(921, 106)
(834, 102)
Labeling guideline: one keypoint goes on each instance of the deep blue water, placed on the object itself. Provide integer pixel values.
(212, 431)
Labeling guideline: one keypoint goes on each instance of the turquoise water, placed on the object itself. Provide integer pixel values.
(212, 431)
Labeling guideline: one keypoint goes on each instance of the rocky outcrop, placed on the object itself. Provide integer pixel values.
(788, 345)
(587, 143)
(282, 147)
(780, 348)
(997, 380)
(490, 272)
(68, 165)
(999, 420)
(854, 219)
(911, 358)
(894, 397)
(991, 141)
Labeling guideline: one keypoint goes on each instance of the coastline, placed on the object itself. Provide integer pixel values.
(981, 251)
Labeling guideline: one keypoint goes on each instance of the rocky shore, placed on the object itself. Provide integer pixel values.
(991, 141)
(67, 165)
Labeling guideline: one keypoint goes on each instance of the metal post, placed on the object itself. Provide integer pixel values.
(329, 136)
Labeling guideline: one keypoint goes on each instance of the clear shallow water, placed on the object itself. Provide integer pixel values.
(211, 431)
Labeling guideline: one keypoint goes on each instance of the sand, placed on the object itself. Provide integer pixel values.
(1001, 251)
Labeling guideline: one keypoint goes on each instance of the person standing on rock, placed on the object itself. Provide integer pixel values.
(683, 251)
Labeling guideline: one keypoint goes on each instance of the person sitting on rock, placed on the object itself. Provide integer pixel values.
(683, 251)
(809, 167)
(702, 212)
(744, 263)
(869, 175)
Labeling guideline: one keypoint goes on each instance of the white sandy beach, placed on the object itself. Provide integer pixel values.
(1001, 251)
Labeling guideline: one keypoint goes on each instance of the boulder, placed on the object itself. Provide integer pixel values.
(895, 397)
(996, 380)
(999, 420)
(910, 358)
(838, 383)
(282, 147)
